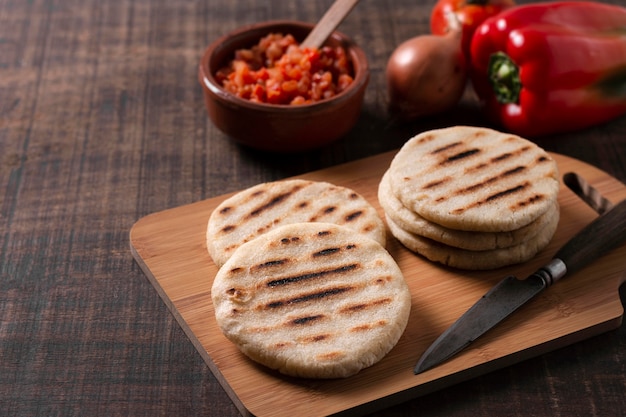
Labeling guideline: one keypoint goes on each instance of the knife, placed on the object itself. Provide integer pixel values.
(600, 236)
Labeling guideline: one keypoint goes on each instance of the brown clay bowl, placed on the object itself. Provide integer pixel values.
(280, 128)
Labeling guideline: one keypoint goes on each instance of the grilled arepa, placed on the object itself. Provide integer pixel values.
(473, 178)
(258, 209)
(313, 300)
(457, 257)
(412, 223)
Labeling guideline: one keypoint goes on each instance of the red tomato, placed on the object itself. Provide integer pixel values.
(465, 15)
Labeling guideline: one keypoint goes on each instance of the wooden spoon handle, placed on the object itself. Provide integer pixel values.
(328, 23)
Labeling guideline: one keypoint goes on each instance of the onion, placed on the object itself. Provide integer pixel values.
(426, 75)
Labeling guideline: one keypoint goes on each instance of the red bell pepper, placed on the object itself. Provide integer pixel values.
(548, 68)
(464, 15)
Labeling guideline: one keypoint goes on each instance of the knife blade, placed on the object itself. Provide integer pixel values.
(603, 234)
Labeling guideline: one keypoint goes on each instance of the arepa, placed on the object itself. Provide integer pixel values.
(474, 178)
(476, 259)
(312, 300)
(413, 223)
(258, 209)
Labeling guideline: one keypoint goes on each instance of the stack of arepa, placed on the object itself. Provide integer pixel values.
(471, 197)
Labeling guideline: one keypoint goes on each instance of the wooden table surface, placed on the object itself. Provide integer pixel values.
(102, 122)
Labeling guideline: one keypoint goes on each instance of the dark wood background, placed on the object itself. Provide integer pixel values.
(102, 122)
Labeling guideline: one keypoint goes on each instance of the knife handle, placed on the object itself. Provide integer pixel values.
(596, 239)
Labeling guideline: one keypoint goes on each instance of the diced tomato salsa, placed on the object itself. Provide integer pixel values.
(278, 71)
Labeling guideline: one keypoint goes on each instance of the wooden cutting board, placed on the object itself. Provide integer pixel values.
(170, 248)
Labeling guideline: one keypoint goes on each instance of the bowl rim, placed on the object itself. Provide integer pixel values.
(355, 52)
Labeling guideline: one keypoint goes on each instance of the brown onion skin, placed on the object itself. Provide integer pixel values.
(426, 75)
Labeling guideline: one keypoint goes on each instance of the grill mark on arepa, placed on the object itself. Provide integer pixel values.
(383, 280)
(287, 240)
(323, 212)
(369, 227)
(270, 264)
(314, 338)
(228, 228)
(330, 356)
(447, 147)
(311, 275)
(298, 321)
(502, 157)
(368, 326)
(459, 156)
(426, 138)
(494, 160)
(530, 200)
(507, 192)
(436, 183)
(262, 229)
(491, 180)
(493, 197)
(350, 217)
(318, 295)
(274, 201)
(325, 252)
(355, 308)
(332, 250)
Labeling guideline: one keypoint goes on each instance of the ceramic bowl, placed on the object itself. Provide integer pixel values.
(280, 128)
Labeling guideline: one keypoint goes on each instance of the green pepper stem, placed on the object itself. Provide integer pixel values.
(504, 77)
(613, 84)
